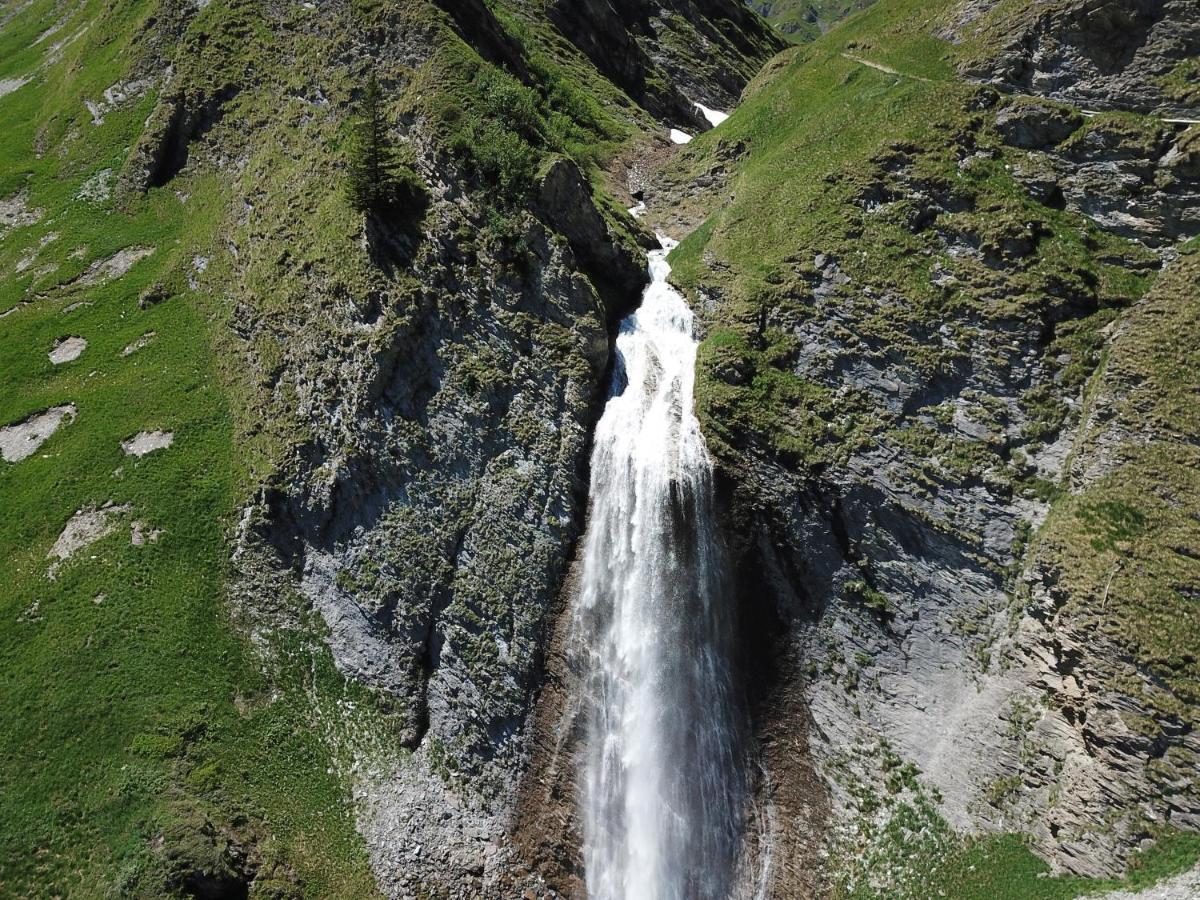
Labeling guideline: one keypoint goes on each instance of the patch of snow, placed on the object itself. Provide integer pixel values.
(67, 350)
(147, 442)
(679, 137)
(715, 116)
(21, 439)
(638, 211)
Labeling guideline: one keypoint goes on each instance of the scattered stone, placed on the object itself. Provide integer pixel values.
(199, 267)
(31, 256)
(98, 188)
(78, 304)
(99, 598)
(153, 295)
(114, 266)
(21, 439)
(67, 350)
(147, 442)
(1185, 886)
(117, 95)
(84, 528)
(139, 536)
(15, 213)
(1031, 125)
(138, 344)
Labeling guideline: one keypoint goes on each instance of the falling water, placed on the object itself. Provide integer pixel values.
(661, 786)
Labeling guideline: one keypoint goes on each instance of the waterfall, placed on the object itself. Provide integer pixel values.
(661, 783)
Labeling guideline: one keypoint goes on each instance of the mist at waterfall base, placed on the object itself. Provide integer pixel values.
(662, 783)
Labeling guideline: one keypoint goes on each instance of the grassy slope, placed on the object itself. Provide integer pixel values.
(1126, 549)
(815, 123)
(144, 714)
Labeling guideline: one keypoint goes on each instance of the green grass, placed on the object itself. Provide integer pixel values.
(145, 714)
(1126, 546)
(1004, 868)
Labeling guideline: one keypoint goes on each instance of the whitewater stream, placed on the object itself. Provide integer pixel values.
(661, 784)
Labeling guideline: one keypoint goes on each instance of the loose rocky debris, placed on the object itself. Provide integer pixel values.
(15, 213)
(99, 598)
(138, 344)
(147, 442)
(21, 440)
(140, 536)
(87, 526)
(98, 188)
(31, 255)
(153, 295)
(115, 266)
(1182, 887)
(117, 95)
(199, 267)
(67, 350)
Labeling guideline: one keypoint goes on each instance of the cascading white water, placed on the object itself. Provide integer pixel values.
(662, 785)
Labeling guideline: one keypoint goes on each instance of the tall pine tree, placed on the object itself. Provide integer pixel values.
(372, 182)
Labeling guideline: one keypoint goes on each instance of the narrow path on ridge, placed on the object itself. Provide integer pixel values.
(1089, 113)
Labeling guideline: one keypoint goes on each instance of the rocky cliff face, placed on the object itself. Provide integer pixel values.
(907, 477)
(436, 384)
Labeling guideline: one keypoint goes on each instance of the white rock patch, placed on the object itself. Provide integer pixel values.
(199, 267)
(1181, 887)
(117, 95)
(15, 213)
(86, 527)
(67, 350)
(21, 440)
(147, 442)
(8, 85)
(138, 344)
(98, 188)
(115, 266)
(679, 137)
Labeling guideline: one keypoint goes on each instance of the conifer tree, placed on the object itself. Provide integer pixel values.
(372, 182)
